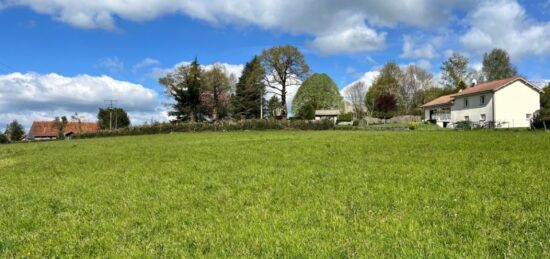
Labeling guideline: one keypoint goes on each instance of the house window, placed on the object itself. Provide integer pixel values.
(482, 99)
(467, 118)
(483, 117)
(466, 102)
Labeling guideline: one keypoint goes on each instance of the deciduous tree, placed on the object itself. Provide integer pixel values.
(60, 124)
(355, 95)
(274, 107)
(319, 91)
(306, 111)
(385, 106)
(415, 81)
(284, 66)
(387, 83)
(545, 98)
(453, 71)
(117, 118)
(14, 131)
(216, 94)
(497, 65)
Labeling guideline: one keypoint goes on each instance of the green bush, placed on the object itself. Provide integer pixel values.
(412, 125)
(541, 120)
(306, 112)
(4, 139)
(345, 117)
(464, 125)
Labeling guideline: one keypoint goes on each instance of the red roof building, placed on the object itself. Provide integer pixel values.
(41, 130)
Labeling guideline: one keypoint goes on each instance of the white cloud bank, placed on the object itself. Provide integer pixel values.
(337, 26)
(33, 96)
(425, 51)
(505, 24)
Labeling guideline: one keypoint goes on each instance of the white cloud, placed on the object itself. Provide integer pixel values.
(337, 26)
(505, 24)
(425, 64)
(426, 51)
(350, 70)
(231, 69)
(33, 96)
(356, 39)
(367, 78)
(114, 65)
(145, 63)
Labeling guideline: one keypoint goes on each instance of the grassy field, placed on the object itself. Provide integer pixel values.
(290, 194)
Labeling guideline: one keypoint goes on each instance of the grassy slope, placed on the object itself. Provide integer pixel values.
(480, 194)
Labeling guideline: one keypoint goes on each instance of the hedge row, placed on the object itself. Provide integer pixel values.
(165, 128)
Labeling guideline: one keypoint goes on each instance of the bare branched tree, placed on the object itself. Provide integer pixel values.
(415, 81)
(355, 95)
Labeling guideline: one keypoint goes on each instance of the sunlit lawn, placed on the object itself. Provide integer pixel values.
(280, 193)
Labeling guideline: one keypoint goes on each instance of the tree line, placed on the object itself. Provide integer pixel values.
(402, 90)
(201, 94)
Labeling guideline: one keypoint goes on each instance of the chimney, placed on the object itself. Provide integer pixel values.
(474, 83)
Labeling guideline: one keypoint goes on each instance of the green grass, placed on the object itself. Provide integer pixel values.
(279, 194)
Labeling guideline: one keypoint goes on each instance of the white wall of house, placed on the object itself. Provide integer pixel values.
(476, 110)
(514, 103)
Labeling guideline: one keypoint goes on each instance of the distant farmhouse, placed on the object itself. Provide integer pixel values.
(46, 130)
(507, 103)
(327, 115)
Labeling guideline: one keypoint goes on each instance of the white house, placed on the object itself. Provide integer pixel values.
(508, 103)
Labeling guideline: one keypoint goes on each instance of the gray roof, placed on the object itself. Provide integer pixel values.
(327, 112)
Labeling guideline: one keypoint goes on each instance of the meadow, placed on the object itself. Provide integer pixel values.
(279, 194)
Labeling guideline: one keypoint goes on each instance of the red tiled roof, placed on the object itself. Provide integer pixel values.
(443, 100)
(484, 87)
(48, 129)
(489, 86)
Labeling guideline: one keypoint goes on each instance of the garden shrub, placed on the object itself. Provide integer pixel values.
(541, 119)
(464, 125)
(345, 117)
(4, 139)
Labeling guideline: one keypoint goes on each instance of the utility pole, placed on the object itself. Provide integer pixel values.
(111, 112)
(261, 108)
(262, 94)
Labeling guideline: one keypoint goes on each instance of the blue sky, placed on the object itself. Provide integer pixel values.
(52, 50)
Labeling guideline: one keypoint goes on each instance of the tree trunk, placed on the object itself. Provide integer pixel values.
(215, 114)
(192, 117)
(284, 113)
